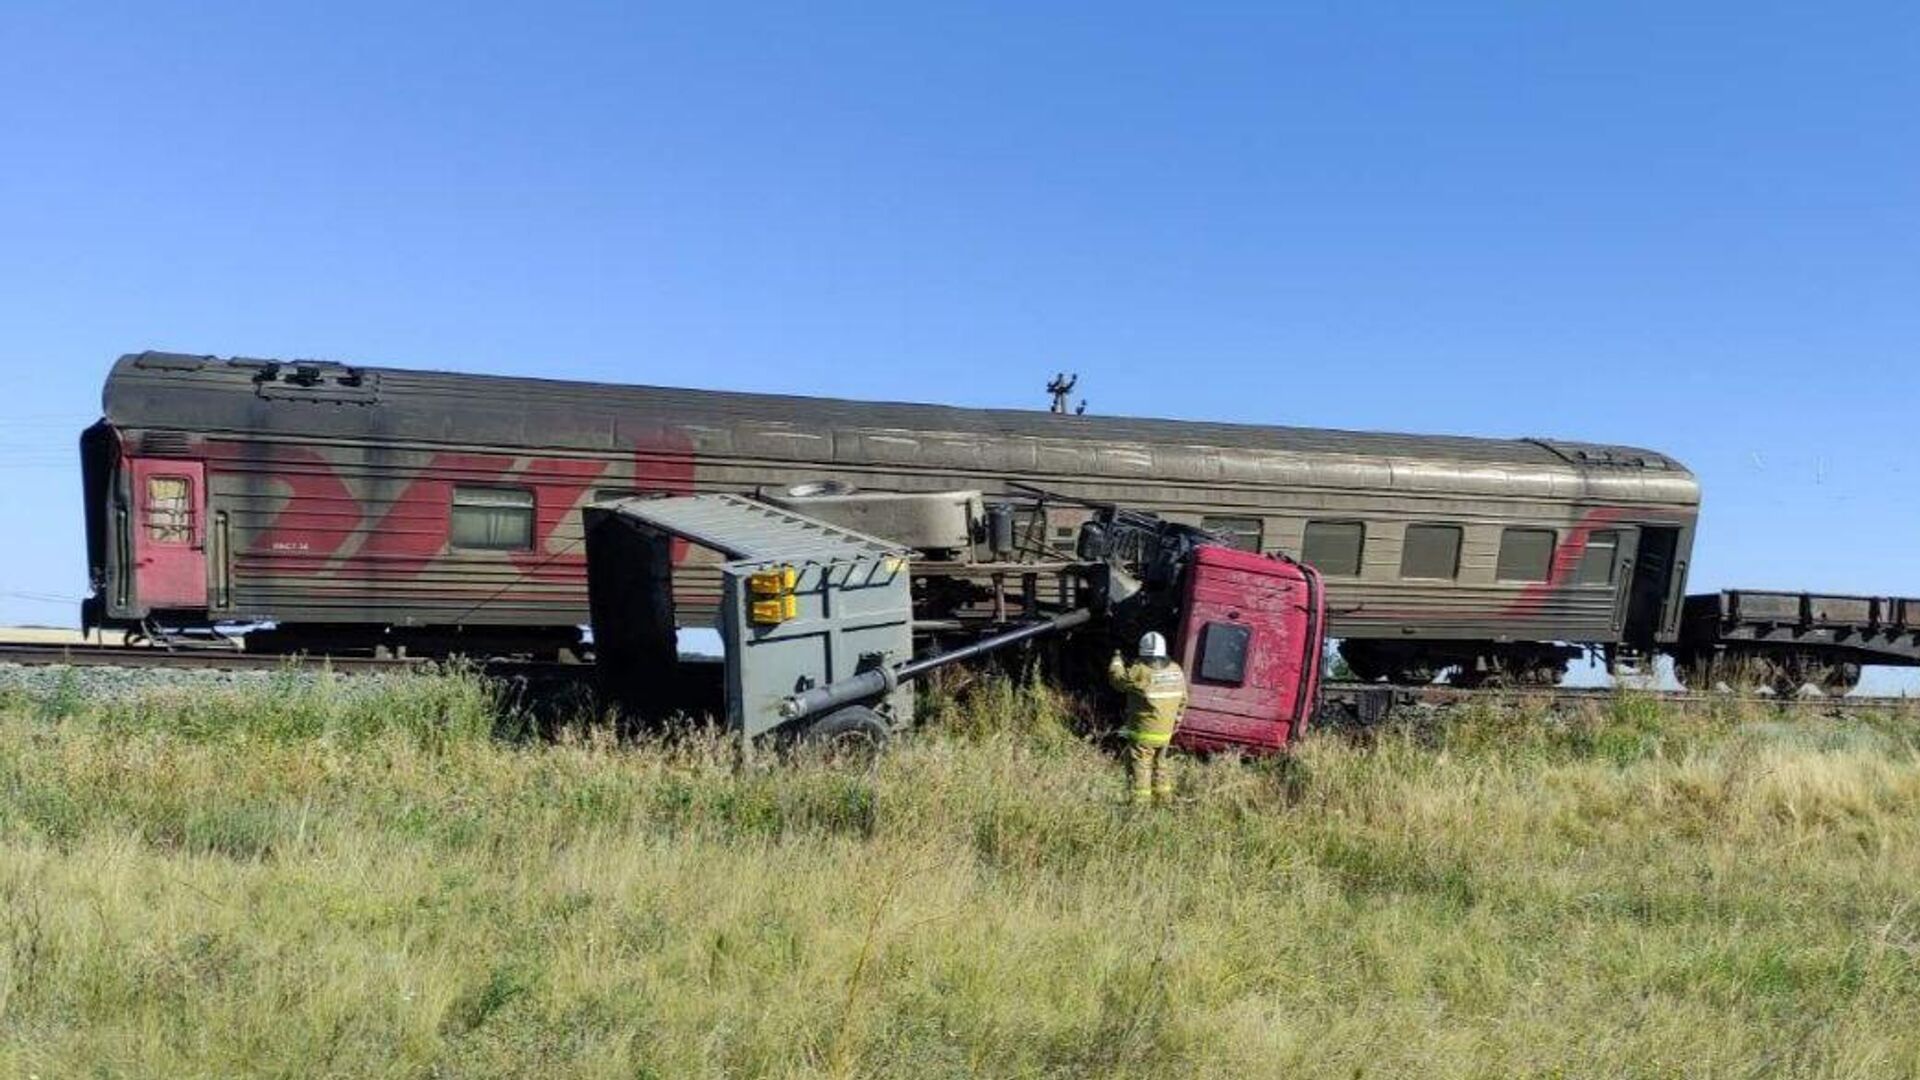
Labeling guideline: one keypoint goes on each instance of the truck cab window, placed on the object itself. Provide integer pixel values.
(1223, 653)
(1240, 532)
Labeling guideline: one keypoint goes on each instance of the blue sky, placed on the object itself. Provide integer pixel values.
(1693, 227)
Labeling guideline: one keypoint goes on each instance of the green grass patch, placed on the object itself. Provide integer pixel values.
(326, 878)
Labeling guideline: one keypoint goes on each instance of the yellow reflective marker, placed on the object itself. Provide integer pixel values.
(778, 609)
(774, 582)
(772, 590)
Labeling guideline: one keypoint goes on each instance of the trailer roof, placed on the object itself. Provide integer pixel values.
(747, 530)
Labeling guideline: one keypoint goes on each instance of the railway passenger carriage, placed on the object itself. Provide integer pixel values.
(362, 507)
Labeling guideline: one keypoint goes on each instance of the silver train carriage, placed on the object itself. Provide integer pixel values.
(357, 506)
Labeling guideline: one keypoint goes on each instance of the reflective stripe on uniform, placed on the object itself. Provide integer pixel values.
(1156, 697)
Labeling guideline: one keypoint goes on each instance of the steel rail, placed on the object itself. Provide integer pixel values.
(40, 654)
(1440, 694)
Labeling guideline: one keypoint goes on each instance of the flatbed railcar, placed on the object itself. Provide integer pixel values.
(354, 506)
(1786, 640)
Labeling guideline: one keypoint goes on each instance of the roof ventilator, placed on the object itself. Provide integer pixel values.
(315, 381)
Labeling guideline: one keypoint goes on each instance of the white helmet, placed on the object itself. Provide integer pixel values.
(1153, 646)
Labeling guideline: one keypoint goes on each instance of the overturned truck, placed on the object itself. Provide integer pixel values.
(826, 594)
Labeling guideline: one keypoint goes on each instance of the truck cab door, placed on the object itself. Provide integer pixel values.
(169, 533)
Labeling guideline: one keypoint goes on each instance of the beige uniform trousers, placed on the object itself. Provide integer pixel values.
(1152, 773)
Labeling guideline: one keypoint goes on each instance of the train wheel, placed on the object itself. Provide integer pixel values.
(1695, 672)
(1747, 672)
(1544, 674)
(1518, 672)
(1834, 678)
(1467, 677)
(1371, 662)
(1364, 661)
(1415, 674)
(1785, 683)
(1790, 674)
(1841, 679)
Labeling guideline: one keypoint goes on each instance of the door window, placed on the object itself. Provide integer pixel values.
(169, 509)
(1596, 563)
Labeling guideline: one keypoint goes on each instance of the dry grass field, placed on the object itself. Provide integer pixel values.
(319, 879)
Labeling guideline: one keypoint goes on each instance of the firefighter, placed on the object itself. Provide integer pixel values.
(1156, 692)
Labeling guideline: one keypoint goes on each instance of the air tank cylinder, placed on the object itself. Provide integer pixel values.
(1000, 530)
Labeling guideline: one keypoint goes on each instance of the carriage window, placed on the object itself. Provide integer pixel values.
(1240, 532)
(492, 519)
(1333, 547)
(1431, 551)
(1526, 555)
(1596, 564)
(169, 509)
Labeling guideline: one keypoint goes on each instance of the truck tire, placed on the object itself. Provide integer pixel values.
(853, 733)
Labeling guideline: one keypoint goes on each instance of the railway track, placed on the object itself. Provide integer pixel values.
(1445, 696)
(39, 654)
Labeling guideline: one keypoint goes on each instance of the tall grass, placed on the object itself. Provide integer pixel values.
(329, 882)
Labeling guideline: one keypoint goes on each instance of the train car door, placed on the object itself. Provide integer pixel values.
(1649, 588)
(169, 533)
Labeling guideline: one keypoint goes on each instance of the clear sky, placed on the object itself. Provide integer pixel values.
(1694, 226)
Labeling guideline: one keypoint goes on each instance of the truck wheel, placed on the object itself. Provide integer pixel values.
(855, 733)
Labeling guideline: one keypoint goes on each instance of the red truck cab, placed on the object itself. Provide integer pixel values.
(1251, 637)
